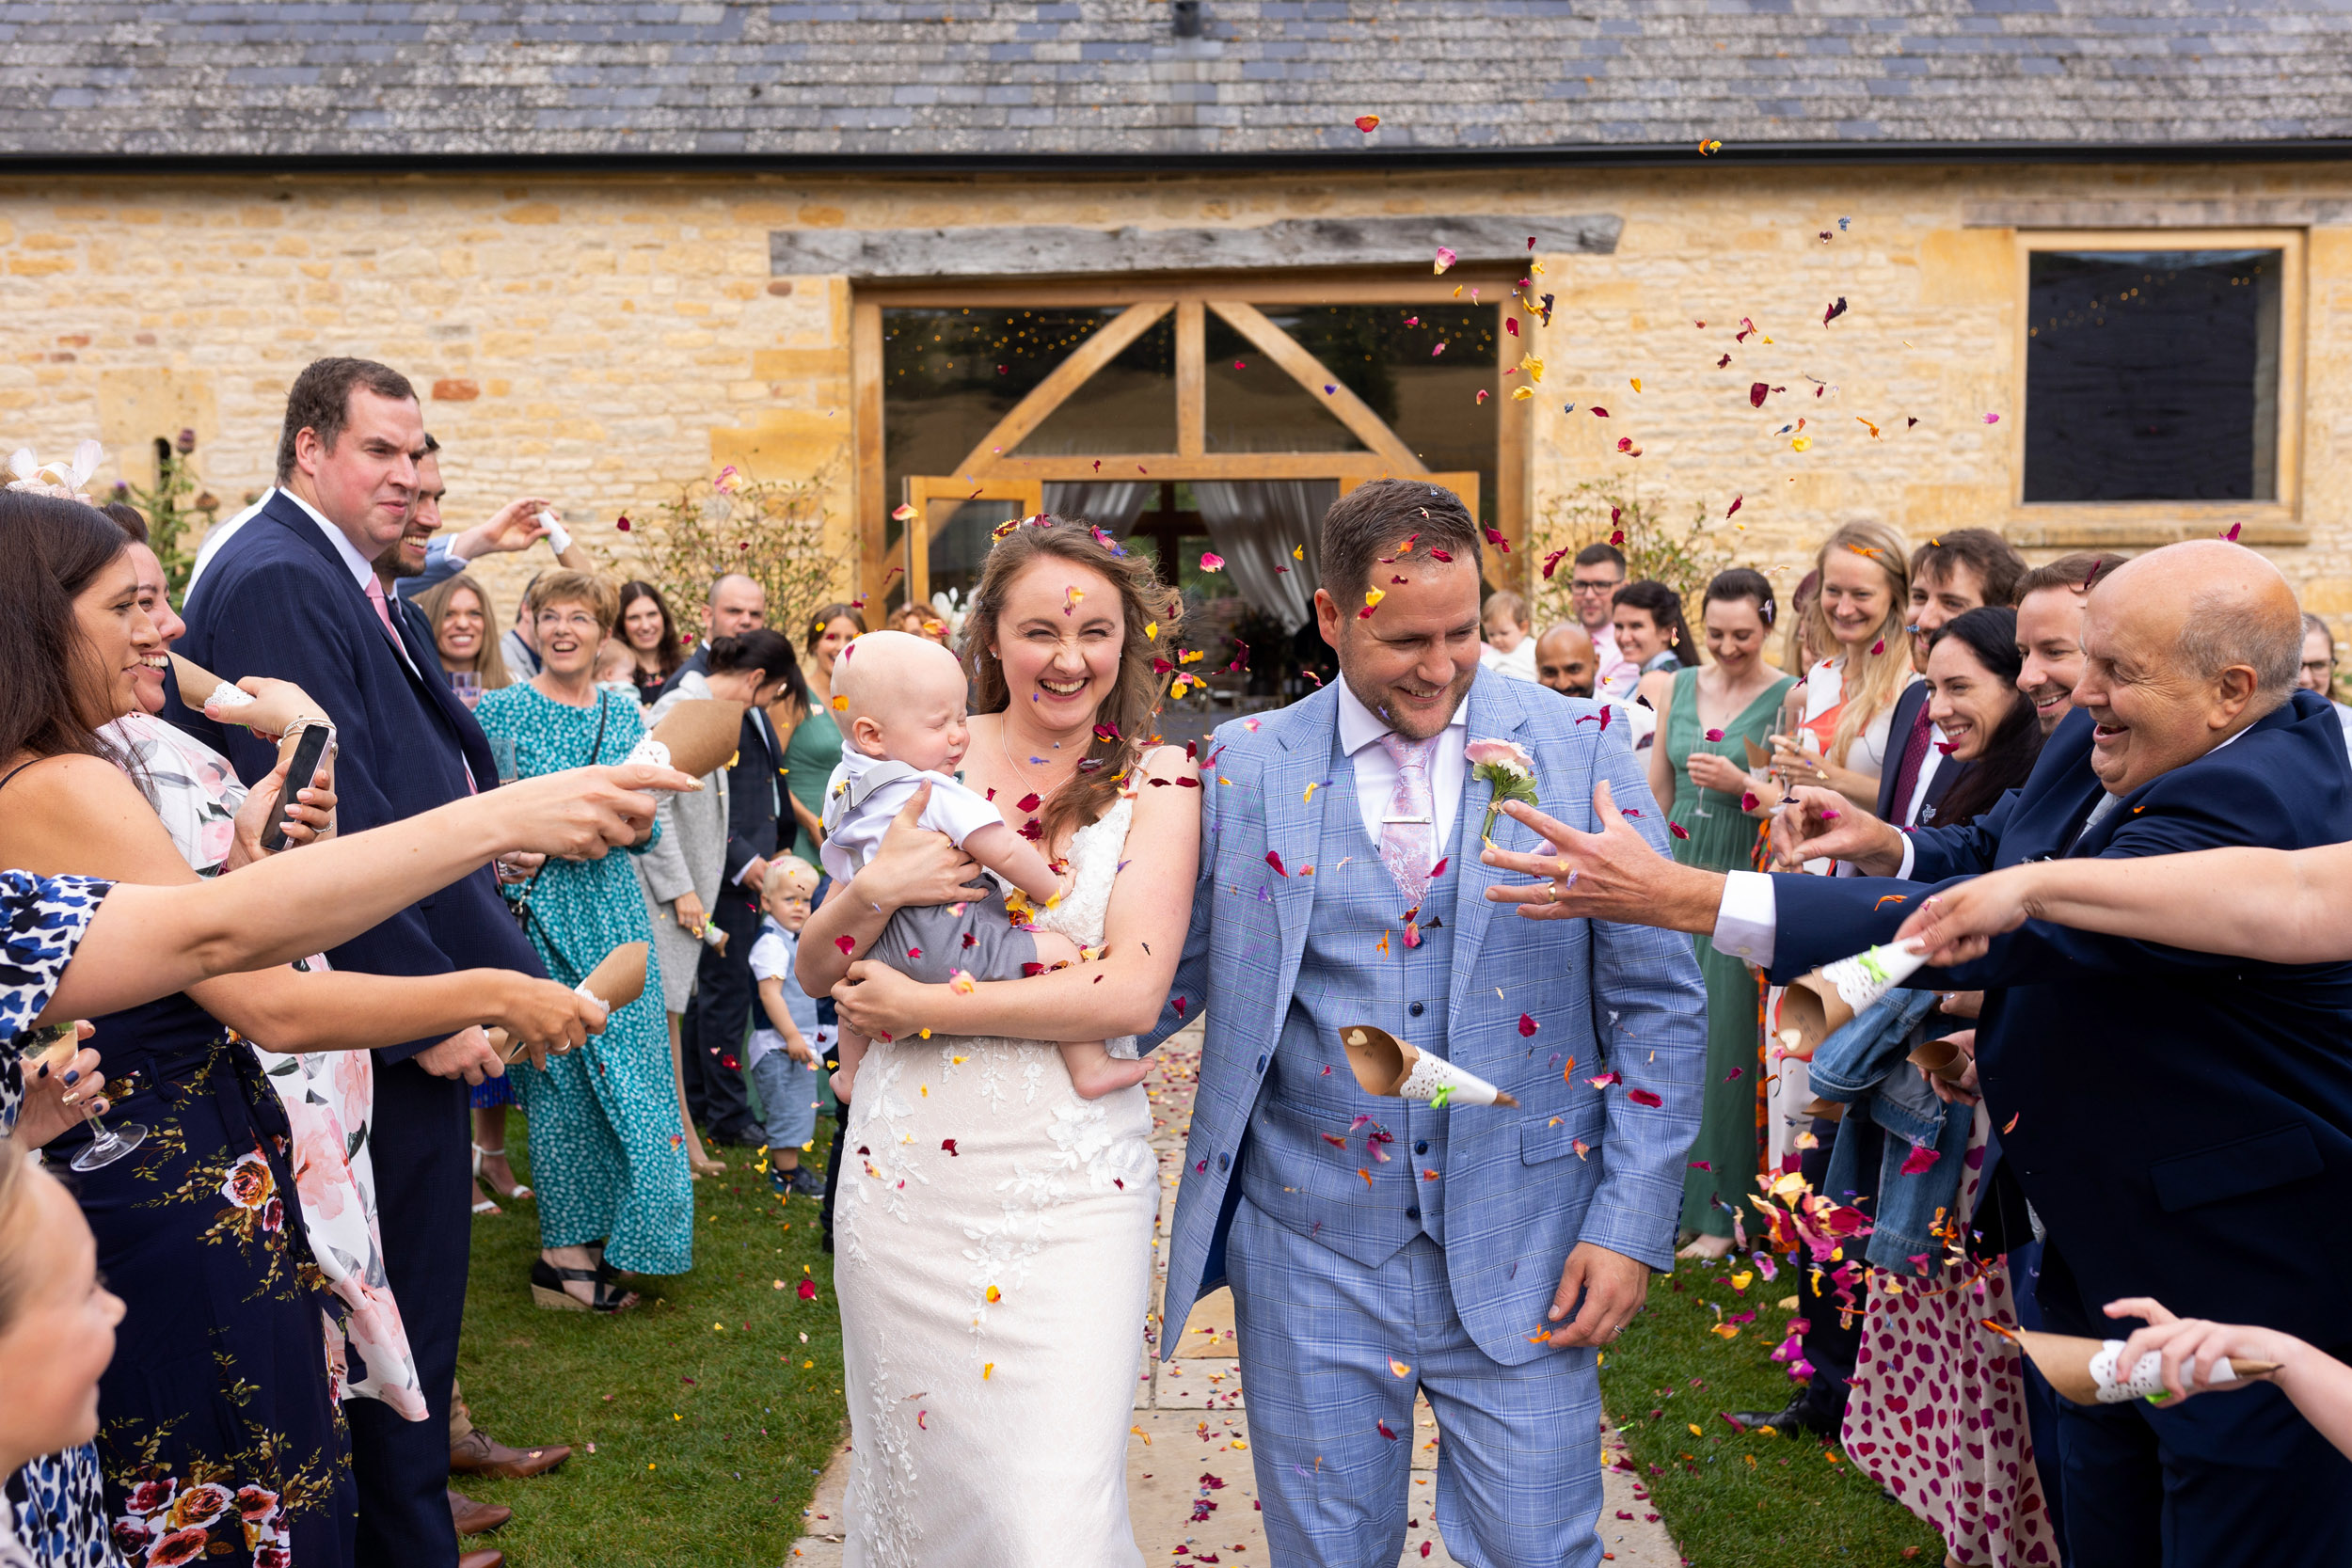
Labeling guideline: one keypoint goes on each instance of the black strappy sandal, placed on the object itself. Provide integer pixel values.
(548, 1292)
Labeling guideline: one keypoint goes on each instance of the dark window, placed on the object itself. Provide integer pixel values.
(2152, 375)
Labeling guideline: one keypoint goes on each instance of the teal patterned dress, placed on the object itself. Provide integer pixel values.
(607, 1158)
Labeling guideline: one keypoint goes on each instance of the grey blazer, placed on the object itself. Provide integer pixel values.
(685, 858)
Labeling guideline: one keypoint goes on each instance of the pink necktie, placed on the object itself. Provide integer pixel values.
(374, 586)
(1409, 830)
(375, 589)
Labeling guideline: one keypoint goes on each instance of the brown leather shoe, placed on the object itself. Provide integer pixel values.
(473, 1518)
(478, 1454)
(487, 1558)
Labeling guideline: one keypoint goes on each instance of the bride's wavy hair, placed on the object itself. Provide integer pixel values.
(1133, 707)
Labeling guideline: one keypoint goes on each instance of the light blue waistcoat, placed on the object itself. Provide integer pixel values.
(1350, 1198)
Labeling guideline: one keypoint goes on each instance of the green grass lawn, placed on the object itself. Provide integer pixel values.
(711, 1407)
(1733, 1499)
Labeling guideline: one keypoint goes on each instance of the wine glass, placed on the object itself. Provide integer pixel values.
(502, 755)
(108, 1144)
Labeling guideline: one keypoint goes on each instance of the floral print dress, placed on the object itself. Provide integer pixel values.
(329, 1096)
(607, 1156)
(218, 1433)
(57, 1505)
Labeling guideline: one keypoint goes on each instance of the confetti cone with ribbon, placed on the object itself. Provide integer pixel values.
(1825, 1001)
(2084, 1370)
(1387, 1066)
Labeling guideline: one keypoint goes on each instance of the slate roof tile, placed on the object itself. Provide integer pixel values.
(1082, 77)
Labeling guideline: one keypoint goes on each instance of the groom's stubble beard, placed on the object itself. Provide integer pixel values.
(1411, 723)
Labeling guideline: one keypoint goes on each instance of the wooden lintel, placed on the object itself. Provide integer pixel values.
(865, 254)
(1175, 465)
(1065, 378)
(1192, 409)
(1319, 383)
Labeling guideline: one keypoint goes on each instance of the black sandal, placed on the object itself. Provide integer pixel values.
(547, 1290)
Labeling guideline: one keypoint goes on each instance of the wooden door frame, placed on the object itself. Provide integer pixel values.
(924, 491)
(1235, 298)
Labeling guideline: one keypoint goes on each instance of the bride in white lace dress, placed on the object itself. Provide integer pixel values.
(993, 1229)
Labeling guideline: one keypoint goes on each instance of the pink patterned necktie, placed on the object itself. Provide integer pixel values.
(374, 588)
(1409, 829)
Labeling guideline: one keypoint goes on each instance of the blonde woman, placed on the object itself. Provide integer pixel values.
(1839, 737)
(1834, 734)
(461, 616)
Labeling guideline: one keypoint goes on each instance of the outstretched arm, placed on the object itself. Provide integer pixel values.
(151, 942)
(2288, 907)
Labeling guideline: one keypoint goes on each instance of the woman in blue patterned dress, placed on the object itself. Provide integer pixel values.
(220, 1437)
(608, 1152)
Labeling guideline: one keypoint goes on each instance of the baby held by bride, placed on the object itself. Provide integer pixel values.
(899, 702)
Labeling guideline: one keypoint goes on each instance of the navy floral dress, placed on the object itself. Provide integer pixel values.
(57, 1504)
(218, 1435)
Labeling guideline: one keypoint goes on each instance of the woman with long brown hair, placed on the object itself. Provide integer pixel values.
(651, 637)
(194, 1226)
(1060, 1191)
(1838, 737)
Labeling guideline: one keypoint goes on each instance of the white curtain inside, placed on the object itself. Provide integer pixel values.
(1111, 505)
(1256, 525)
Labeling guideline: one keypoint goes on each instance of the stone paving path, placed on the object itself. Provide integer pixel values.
(1189, 1442)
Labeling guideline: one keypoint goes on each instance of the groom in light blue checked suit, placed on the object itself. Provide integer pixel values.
(1374, 1245)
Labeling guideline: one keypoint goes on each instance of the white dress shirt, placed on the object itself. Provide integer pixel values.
(220, 535)
(1360, 730)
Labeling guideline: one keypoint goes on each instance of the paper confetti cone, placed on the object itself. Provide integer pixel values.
(616, 982)
(1822, 1002)
(1942, 1058)
(2085, 1370)
(196, 684)
(696, 737)
(1387, 1066)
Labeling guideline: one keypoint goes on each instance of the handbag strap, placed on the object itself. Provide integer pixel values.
(596, 749)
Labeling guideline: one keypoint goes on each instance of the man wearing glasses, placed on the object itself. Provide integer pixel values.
(1599, 573)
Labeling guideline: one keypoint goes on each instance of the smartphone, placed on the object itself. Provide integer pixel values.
(314, 746)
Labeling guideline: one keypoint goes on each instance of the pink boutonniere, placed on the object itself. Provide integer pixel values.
(1507, 770)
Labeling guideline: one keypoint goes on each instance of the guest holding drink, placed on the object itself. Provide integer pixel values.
(608, 1147)
(1709, 715)
(459, 613)
(194, 1226)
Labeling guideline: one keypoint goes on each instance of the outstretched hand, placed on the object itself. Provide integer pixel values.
(1957, 924)
(1609, 875)
(1820, 824)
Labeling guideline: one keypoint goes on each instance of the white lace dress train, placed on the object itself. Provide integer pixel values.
(995, 1245)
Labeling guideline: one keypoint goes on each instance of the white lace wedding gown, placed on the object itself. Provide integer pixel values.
(995, 1246)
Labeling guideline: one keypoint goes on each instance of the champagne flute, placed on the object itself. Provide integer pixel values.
(108, 1144)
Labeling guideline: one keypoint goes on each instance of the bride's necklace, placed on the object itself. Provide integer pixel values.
(1004, 739)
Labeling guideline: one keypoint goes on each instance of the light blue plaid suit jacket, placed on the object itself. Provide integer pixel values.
(1518, 1194)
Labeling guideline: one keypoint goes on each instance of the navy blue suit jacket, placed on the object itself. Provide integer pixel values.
(2183, 1121)
(279, 601)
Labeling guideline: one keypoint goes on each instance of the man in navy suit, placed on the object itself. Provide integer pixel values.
(711, 1041)
(2181, 1122)
(295, 594)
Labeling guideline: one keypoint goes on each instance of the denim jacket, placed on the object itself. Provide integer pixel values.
(1867, 1065)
